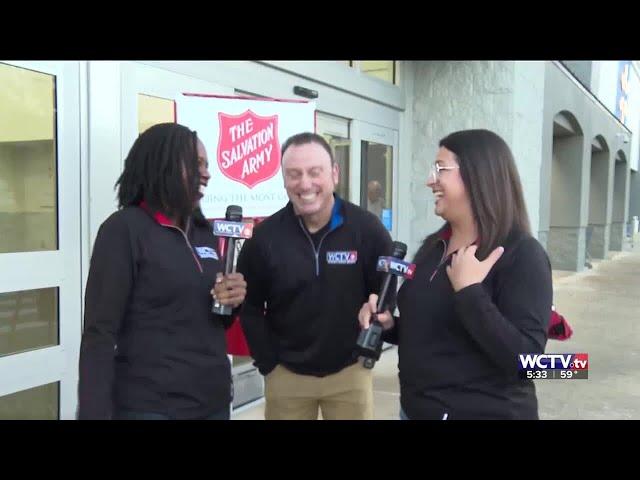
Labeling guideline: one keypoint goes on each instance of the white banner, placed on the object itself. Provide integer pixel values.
(243, 137)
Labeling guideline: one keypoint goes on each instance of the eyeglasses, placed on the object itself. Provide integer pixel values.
(436, 168)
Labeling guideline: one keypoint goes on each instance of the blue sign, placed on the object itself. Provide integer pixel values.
(387, 219)
(622, 96)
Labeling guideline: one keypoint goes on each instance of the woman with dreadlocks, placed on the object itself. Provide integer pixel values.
(151, 348)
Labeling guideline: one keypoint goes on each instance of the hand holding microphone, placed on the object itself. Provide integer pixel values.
(374, 315)
(368, 313)
(230, 289)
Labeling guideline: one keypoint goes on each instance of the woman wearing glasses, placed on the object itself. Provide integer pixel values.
(480, 296)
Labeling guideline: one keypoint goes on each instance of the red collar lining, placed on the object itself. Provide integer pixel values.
(158, 216)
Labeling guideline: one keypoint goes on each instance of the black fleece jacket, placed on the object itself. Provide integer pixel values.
(458, 351)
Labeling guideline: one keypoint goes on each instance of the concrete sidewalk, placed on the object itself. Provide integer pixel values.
(603, 307)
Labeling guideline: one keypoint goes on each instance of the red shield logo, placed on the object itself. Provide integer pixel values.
(248, 147)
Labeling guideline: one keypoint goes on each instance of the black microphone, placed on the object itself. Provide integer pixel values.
(370, 339)
(231, 228)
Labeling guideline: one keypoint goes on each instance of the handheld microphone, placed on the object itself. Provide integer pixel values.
(370, 339)
(231, 229)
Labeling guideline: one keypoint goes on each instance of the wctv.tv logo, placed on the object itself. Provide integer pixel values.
(559, 361)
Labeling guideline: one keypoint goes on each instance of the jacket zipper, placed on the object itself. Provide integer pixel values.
(442, 261)
(316, 253)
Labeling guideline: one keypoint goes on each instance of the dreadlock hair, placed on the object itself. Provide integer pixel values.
(162, 169)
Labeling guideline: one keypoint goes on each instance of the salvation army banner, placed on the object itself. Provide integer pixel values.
(243, 137)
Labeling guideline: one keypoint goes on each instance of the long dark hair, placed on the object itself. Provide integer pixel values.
(491, 179)
(162, 169)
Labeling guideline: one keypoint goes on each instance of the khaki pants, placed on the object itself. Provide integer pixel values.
(346, 395)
